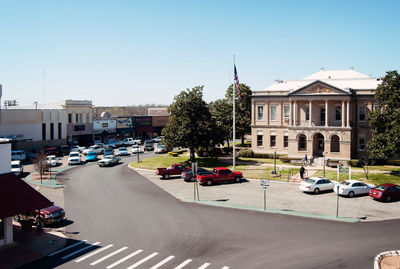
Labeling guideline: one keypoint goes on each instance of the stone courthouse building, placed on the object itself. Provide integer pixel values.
(324, 114)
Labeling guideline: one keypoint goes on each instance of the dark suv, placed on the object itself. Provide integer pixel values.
(148, 145)
(48, 215)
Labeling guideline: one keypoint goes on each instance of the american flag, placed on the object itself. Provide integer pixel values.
(237, 83)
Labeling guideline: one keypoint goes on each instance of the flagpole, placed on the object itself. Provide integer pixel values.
(234, 117)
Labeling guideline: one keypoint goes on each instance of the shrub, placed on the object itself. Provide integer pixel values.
(393, 162)
(284, 159)
(215, 152)
(246, 153)
(353, 163)
(226, 150)
(173, 153)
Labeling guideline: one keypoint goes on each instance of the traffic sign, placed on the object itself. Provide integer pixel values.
(264, 183)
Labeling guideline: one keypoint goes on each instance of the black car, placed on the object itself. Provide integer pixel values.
(188, 175)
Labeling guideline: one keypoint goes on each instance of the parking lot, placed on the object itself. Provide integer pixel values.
(280, 196)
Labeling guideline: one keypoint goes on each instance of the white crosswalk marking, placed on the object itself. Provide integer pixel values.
(108, 256)
(80, 250)
(204, 266)
(63, 249)
(225, 267)
(161, 263)
(183, 264)
(94, 253)
(124, 259)
(142, 261)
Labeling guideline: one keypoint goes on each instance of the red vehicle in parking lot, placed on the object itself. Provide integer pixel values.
(386, 192)
(175, 169)
(47, 216)
(220, 174)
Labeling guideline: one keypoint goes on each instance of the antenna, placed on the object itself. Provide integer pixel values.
(35, 103)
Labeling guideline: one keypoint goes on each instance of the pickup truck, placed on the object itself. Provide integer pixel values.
(175, 169)
(220, 174)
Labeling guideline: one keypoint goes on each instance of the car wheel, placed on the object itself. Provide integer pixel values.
(238, 180)
(209, 182)
(39, 222)
(388, 199)
(351, 194)
(167, 176)
(316, 191)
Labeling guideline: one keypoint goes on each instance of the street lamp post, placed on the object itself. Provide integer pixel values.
(324, 162)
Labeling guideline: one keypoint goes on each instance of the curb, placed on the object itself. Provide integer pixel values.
(51, 183)
(380, 256)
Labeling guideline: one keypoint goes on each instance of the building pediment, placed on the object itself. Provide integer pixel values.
(319, 88)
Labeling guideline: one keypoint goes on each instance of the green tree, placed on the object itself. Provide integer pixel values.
(221, 111)
(191, 124)
(385, 122)
(242, 108)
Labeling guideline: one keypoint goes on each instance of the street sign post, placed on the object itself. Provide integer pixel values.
(264, 184)
(196, 182)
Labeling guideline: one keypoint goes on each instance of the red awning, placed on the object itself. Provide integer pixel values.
(18, 197)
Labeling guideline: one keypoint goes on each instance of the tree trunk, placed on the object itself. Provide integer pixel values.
(192, 156)
(242, 140)
(227, 140)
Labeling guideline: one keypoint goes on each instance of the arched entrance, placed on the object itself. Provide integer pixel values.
(318, 145)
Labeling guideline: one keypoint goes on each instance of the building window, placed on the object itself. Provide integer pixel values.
(43, 131)
(361, 144)
(69, 117)
(362, 112)
(59, 130)
(51, 131)
(322, 115)
(79, 128)
(259, 140)
(286, 112)
(76, 118)
(302, 146)
(1, 229)
(378, 107)
(338, 113)
(273, 112)
(260, 112)
(335, 145)
(272, 143)
(307, 113)
(285, 141)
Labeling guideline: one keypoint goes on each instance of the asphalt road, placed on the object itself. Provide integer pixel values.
(116, 206)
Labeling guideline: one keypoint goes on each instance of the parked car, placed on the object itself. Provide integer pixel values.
(353, 187)
(108, 151)
(158, 139)
(17, 168)
(77, 148)
(98, 149)
(316, 185)
(52, 151)
(74, 158)
(91, 156)
(52, 160)
(386, 192)
(122, 151)
(18, 155)
(188, 175)
(128, 142)
(109, 160)
(64, 150)
(160, 149)
(148, 145)
(175, 169)
(47, 216)
(135, 149)
(137, 141)
(219, 175)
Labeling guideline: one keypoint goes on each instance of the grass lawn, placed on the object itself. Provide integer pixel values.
(261, 160)
(257, 172)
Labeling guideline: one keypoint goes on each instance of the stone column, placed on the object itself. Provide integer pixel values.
(342, 114)
(310, 113)
(295, 113)
(348, 114)
(252, 112)
(291, 113)
(281, 105)
(326, 113)
(267, 112)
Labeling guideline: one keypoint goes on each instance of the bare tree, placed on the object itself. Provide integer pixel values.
(365, 163)
(40, 164)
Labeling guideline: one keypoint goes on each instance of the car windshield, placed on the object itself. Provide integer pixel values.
(91, 153)
(52, 158)
(122, 149)
(74, 155)
(108, 157)
(14, 166)
(310, 180)
(381, 188)
(345, 183)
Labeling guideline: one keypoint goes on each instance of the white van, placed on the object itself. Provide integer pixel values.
(17, 168)
(18, 155)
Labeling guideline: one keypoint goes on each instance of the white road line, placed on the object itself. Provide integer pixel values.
(108, 256)
(162, 262)
(94, 253)
(142, 261)
(183, 264)
(204, 266)
(71, 246)
(225, 267)
(80, 250)
(124, 259)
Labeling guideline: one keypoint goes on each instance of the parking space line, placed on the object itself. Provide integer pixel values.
(108, 256)
(204, 266)
(66, 248)
(124, 259)
(142, 260)
(162, 262)
(94, 253)
(183, 264)
(80, 250)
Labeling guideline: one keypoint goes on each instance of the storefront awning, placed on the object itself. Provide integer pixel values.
(17, 197)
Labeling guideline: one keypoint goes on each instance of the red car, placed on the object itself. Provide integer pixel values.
(48, 215)
(219, 174)
(175, 169)
(386, 192)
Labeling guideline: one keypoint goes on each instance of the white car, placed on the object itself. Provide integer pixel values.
(353, 187)
(74, 158)
(135, 149)
(52, 160)
(96, 148)
(17, 168)
(77, 149)
(123, 151)
(160, 149)
(317, 184)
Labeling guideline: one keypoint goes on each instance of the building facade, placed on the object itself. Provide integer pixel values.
(324, 114)
(79, 121)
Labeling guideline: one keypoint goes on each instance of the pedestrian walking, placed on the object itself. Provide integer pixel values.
(305, 160)
(302, 169)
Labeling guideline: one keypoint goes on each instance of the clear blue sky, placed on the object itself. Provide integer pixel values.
(139, 52)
